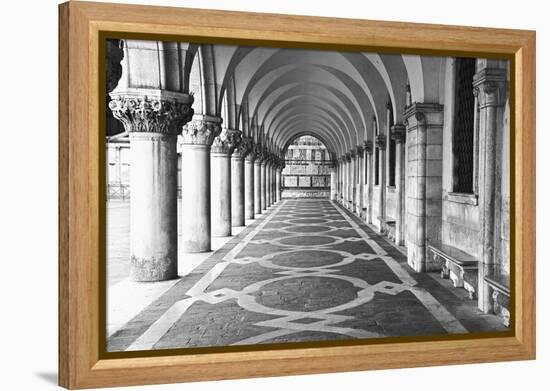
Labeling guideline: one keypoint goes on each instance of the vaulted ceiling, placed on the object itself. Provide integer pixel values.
(275, 95)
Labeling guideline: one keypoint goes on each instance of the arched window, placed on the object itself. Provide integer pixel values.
(463, 126)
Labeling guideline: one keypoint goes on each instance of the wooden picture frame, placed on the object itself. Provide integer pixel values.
(80, 28)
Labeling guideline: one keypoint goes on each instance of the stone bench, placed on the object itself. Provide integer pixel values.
(388, 226)
(498, 280)
(459, 266)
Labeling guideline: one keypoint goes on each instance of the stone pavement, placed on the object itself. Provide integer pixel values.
(307, 270)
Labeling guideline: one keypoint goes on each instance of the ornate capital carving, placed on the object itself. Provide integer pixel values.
(201, 131)
(489, 86)
(381, 142)
(352, 154)
(243, 148)
(368, 146)
(348, 157)
(156, 113)
(359, 151)
(226, 141)
(398, 133)
(419, 113)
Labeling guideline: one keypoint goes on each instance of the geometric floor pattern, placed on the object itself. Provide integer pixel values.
(307, 270)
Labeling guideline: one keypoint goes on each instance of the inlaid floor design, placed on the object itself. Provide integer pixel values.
(307, 270)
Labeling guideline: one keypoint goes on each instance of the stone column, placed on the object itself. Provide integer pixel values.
(238, 182)
(370, 178)
(220, 165)
(348, 180)
(398, 134)
(274, 183)
(197, 138)
(360, 175)
(341, 180)
(381, 145)
(424, 124)
(249, 186)
(489, 89)
(258, 184)
(153, 118)
(353, 181)
(345, 181)
(333, 186)
(267, 184)
(263, 197)
(278, 184)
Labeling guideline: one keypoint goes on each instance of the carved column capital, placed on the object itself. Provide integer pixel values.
(489, 86)
(347, 157)
(202, 130)
(151, 111)
(398, 133)
(226, 141)
(353, 154)
(359, 151)
(381, 142)
(368, 145)
(243, 148)
(419, 114)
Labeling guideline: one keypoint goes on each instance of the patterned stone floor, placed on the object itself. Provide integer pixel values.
(307, 270)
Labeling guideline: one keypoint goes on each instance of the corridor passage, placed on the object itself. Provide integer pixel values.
(306, 270)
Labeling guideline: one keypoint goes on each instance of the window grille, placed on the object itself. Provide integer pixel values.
(463, 132)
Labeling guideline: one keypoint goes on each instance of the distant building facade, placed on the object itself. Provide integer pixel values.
(307, 170)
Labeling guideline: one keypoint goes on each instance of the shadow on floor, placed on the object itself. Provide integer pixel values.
(48, 377)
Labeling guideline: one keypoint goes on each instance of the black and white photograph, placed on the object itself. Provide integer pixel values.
(273, 195)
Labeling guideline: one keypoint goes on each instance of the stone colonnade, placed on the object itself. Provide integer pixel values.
(225, 179)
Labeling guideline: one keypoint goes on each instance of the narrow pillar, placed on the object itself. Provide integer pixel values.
(237, 190)
(249, 186)
(268, 184)
(242, 148)
(263, 197)
(424, 124)
(258, 184)
(197, 138)
(333, 187)
(381, 212)
(490, 91)
(398, 134)
(370, 179)
(351, 161)
(278, 184)
(220, 165)
(340, 179)
(153, 178)
(359, 182)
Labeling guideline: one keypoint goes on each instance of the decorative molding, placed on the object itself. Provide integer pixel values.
(359, 150)
(153, 113)
(201, 131)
